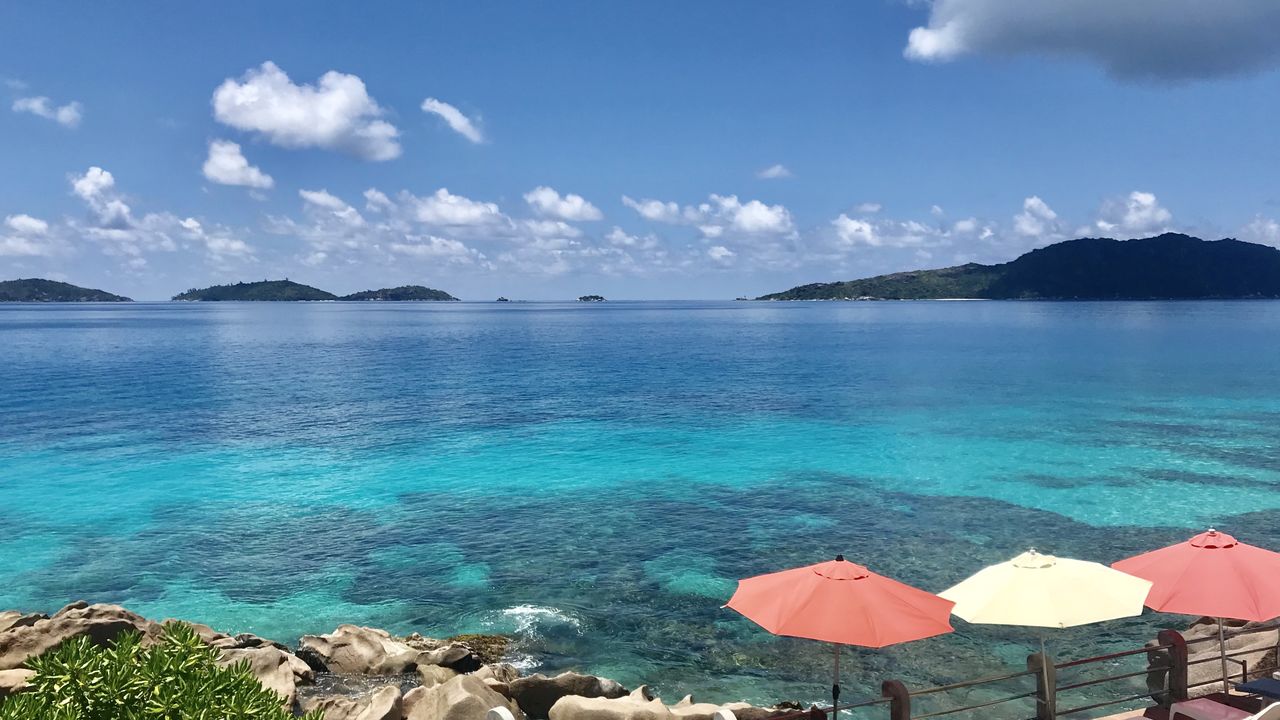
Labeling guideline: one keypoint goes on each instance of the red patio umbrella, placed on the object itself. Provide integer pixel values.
(843, 603)
(1211, 574)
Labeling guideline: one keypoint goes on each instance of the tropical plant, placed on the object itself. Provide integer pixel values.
(178, 678)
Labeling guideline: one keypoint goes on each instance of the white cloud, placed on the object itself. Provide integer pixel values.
(444, 208)
(720, 253)
(68, 115)
(1037, 219)
(752, 216)
(29, 237)
(26, 225)
(937, 211)
(774, 172)
(437, 248)
(336, 113)
(227, 166)
(868, 208)
(93, 183)
(552, 228)
(1135, 39)
(655, 210)
(376, 201)
(334, 205)
(855, 232)
(546, 201)
(1263, 230)
(617, 236)
(460, 123)
(1138, 214)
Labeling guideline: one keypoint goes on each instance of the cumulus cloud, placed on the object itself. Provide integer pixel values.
(26, 236)
(720, 253)
(68, 115)
(324, 201)
(226, 165)
(1037, 219)
(445, 209)
(774, 172)
(1263, 230)
(546, 201)
(1138, 214)
(460, 123)
(720, 214)
(867, 208)
(437, 248)
(219, 244)
(655, 210)
(1135, 39)
(336, 113)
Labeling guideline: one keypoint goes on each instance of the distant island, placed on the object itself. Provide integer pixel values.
(403, 293)
(266, 290)
(1171, 266)
(591, 298)
(41, 290)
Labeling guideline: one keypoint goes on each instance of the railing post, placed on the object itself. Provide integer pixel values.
(899, 699)
(1177, 678)
(1046, 685)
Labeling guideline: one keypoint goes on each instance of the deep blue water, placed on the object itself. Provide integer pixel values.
(593, 477)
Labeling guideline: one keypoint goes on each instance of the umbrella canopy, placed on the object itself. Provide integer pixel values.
(1038, 590)
(1211, 574)
(841, 602)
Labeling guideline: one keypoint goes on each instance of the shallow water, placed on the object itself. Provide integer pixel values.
(592, 478)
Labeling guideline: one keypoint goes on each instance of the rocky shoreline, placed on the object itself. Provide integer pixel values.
(361, 673)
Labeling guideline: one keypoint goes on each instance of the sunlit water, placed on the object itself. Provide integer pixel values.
(593, 478)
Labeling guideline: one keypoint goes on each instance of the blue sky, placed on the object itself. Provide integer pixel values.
(640, 150)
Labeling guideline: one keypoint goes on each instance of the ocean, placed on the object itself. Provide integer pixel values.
(593, 478)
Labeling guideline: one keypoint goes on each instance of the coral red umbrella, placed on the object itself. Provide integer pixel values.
(1211, 574)
(843, 603)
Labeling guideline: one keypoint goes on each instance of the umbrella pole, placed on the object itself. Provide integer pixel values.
(1044, 666)
(835, 685)
(1222, 646)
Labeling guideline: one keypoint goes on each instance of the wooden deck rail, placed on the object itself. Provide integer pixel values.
(1047, 692)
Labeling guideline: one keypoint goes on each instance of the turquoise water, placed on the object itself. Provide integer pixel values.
(592, 478)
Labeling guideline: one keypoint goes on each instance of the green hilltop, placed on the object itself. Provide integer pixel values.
(403, 293)
(41, 290)
(266, 290)
(1169, 266)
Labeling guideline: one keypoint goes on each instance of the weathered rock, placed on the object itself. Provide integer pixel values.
(433, 675)
(276, 669)
(100, 623)
(502, 672)
(455, 657)
(13, 618)
(462, 698)
(359, 650)
(386, 703)
(1259, 651)
(14, 681)
(639, 705)
(536, 694)
(487, 648)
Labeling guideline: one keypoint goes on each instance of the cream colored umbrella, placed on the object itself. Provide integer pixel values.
(1044, 591)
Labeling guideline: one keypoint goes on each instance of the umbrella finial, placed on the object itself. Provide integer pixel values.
(839, 557)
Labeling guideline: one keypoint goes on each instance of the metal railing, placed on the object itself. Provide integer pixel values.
(1166, 683)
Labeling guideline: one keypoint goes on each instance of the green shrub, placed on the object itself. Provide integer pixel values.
(176, 679)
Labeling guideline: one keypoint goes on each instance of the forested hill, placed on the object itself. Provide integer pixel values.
(1168, 266)
(41, 290)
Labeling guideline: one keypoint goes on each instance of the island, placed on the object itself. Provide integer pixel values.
(1171, 266)
(591, 298)
(41, 290)
(266, 290)
(404, 293)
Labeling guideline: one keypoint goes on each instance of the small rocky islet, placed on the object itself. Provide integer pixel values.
(362, 673)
